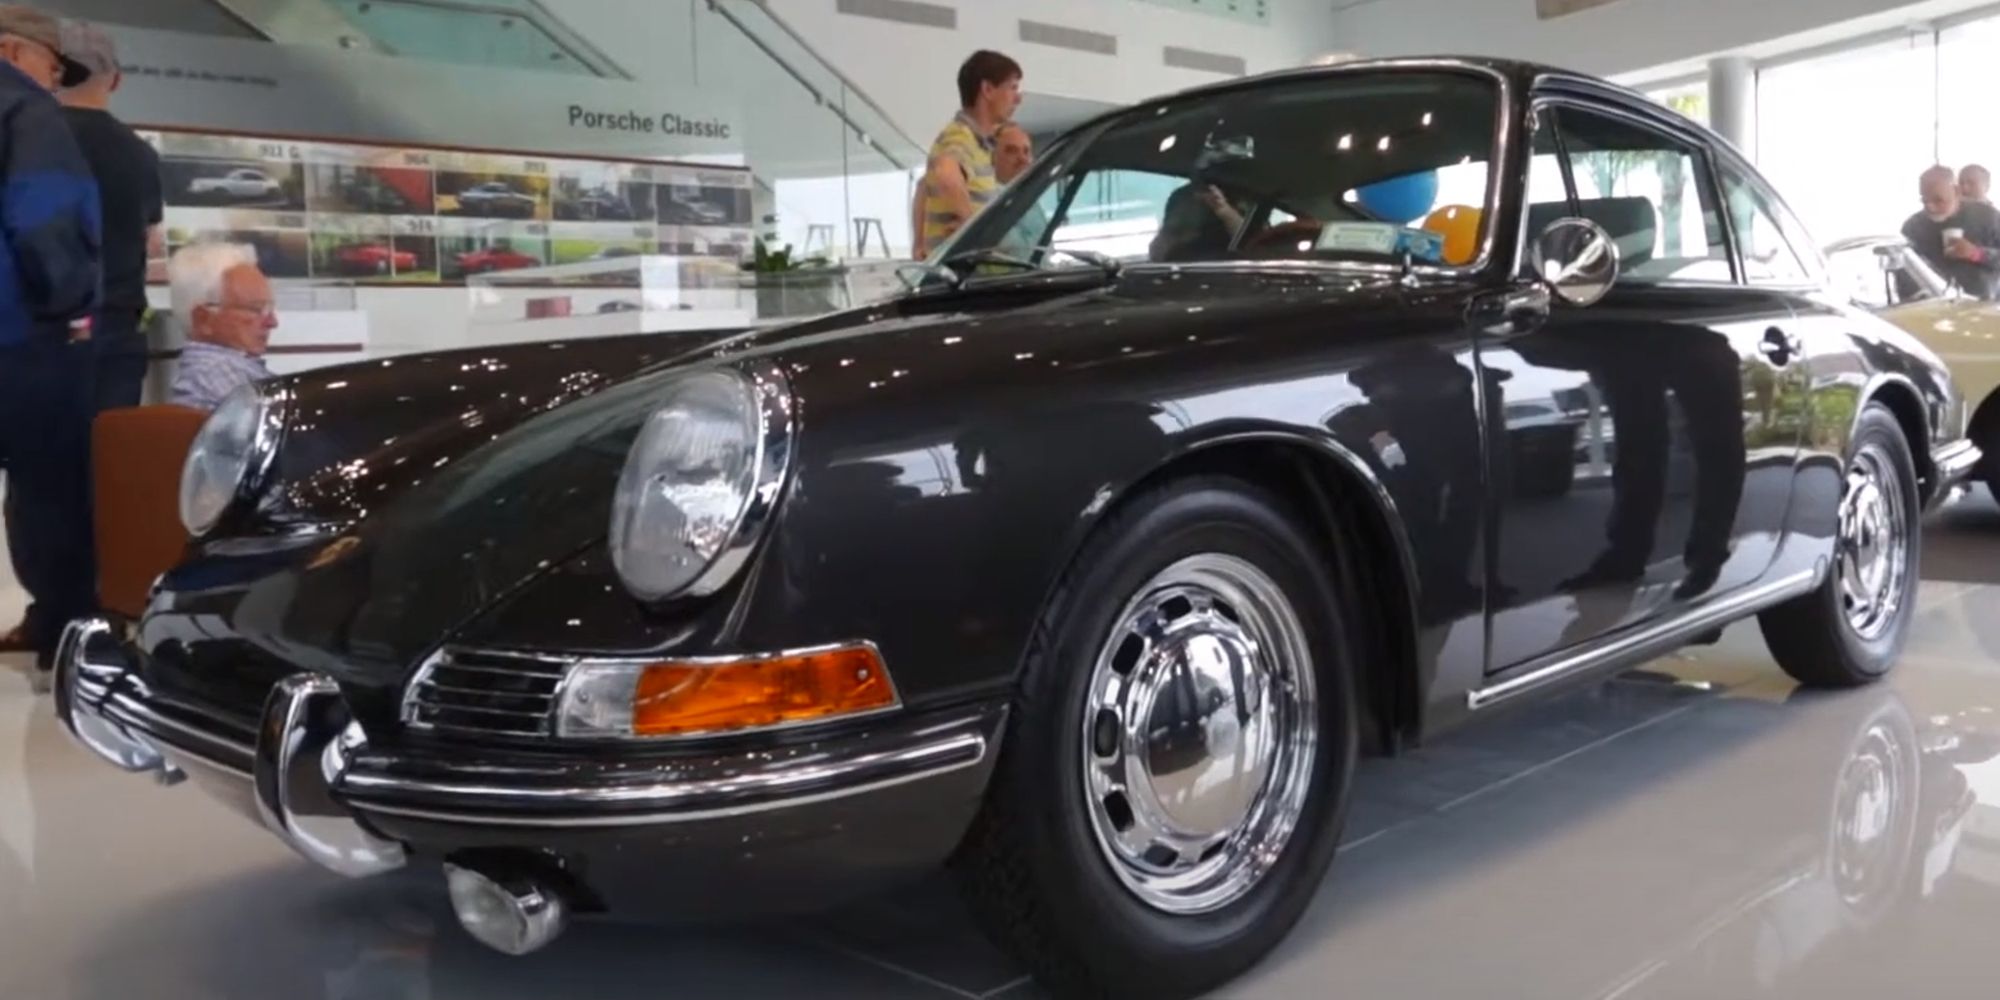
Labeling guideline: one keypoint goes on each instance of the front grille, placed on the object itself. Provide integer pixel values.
(480, 691)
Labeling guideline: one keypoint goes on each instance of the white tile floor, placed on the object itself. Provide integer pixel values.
(1696, 830)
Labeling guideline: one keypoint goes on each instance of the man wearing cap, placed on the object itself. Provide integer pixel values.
(128, 190)
(49, 240)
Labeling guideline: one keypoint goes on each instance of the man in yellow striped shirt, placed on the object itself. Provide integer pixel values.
(960, 180)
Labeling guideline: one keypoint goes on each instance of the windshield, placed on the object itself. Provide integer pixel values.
(1880, 275)
(1361, 167)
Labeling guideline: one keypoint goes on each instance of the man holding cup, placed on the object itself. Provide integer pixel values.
(1960, 238)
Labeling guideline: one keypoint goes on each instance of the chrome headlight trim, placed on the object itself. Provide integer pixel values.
(770, 400)
(260, 454)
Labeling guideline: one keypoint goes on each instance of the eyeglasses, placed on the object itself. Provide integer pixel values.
(262, 310)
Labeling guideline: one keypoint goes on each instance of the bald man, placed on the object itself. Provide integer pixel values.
(1960, 238)
(1975, 183)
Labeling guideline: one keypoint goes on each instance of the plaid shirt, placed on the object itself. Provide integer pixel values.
(210, 372)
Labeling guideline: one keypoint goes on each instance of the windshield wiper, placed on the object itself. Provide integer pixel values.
(927, 270)
(1109, 265)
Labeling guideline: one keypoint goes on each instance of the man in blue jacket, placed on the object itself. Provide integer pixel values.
(49, 286)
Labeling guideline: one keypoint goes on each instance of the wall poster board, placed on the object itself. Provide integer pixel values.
(429, 216)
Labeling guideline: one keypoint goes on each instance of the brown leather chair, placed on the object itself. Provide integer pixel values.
(136, 457)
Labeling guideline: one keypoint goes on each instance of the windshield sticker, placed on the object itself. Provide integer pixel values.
(1382, 239)
(1359, 237)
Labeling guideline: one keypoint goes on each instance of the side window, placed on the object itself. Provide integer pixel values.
(1114, 212)
(1647, 189)
(1768, 255)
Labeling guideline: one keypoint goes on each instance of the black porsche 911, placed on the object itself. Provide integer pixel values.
(1254, 430)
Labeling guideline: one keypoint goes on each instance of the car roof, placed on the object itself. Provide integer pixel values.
(1522, 76)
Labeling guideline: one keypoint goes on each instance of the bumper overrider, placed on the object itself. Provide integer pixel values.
(526, 839)
(1954, 464)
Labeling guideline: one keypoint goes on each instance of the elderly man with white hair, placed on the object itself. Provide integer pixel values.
(223, 302)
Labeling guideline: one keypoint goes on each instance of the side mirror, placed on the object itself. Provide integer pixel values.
(1577, 259)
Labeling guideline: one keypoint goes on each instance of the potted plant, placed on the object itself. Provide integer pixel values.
(782, 290)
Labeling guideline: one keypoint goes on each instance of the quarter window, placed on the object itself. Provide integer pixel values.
(1768, 257)
(1648, 190)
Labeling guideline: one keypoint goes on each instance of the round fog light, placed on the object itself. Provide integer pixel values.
(515, 916)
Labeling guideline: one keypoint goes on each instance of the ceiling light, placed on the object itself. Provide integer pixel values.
(1383, 145)
(1346, 142)
(1168, 142)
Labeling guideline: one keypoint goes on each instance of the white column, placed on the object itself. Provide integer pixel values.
(1732, 101)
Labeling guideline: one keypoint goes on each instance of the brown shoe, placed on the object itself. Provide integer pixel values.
(16, 640)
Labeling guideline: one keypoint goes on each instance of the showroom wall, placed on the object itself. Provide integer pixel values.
(1618, 37)
(910, 68)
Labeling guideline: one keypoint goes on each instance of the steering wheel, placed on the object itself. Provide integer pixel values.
(1285, 232)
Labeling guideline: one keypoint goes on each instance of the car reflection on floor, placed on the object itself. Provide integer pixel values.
(1694, 830)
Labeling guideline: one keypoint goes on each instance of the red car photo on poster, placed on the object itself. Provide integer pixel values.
(495, 259)
(376, 258)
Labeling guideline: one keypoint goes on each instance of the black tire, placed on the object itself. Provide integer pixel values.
(1032, 867)
(1989, 462)
(1812, 637)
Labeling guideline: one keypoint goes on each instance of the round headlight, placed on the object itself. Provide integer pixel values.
(701, 477)
(234, 448)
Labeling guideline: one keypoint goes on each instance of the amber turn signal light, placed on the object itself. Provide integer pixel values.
(677, 699)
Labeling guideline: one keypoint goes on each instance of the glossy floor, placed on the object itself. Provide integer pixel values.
(1698, 829)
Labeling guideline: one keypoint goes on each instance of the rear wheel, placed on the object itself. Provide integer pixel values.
(1179, 754)
(1850, 631)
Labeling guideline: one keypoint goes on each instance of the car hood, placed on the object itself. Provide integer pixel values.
(522, 500)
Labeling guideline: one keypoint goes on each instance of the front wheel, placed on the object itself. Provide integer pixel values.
(1850, 631)
(1179, 753)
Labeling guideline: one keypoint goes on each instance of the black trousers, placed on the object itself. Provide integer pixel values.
(47, 401)
(121, 359)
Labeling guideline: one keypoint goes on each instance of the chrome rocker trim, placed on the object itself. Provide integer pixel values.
(315, 780)
(1649, 640)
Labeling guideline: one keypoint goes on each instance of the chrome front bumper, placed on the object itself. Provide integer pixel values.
(313, 781)
(106, 705)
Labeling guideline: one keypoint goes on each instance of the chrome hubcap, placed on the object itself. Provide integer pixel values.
(1198, 734)
(1865, 816)
(1873, 552)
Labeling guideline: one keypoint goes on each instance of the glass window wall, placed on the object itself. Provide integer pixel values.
(1844, 136)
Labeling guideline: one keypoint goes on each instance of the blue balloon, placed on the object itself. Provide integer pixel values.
(1401, 200)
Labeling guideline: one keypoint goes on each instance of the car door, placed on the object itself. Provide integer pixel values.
(1640, 462)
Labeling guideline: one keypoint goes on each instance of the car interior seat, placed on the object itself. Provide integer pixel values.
(1633, 222)
(136, 457)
